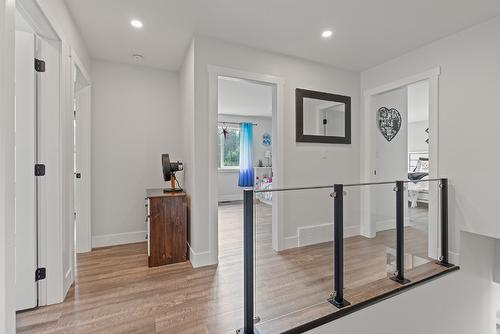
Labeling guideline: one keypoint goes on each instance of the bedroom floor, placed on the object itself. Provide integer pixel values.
(419, 217)
(115, 291)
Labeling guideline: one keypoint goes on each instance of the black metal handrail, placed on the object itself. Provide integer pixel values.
(345, 186)
(292, 189)
(337, 297)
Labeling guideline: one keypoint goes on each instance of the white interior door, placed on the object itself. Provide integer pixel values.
(25, 182)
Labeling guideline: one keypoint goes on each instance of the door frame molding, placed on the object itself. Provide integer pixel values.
(84, 122)
(368, 228)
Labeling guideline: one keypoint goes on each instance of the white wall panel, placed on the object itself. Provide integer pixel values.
(135, 119)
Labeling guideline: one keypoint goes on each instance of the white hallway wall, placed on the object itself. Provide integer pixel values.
(227, 181)
(417, 136)
(135, 119)
(326, 163)
(418, 116)
(468, 120)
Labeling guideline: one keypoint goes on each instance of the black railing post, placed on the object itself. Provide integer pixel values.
(443, 260)
(400, 237)
(248, 278)
(337, 298)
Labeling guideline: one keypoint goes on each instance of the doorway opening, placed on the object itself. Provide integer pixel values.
(244, 138)
(418, 161)
(401, 144)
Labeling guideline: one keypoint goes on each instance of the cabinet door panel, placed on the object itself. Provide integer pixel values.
(168, 230)
(179, 235)
(157, 242)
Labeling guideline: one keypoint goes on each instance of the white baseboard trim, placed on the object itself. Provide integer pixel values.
(496, 275)
(454, 258)
(316, 234)
(310, 235)
(68, 281)
(390, 224)
(118, 239)
(199, 259)
(352, 231)
(384, 225)
(230, 197)
(290, 242)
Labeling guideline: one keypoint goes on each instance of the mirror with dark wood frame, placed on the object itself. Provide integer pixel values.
(322, 117)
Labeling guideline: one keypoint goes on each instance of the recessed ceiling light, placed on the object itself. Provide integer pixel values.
(327, 33)
(136, 23)
(137, 56)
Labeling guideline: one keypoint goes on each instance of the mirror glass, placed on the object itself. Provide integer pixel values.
(323, 118)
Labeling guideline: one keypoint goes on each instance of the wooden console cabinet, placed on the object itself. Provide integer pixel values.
(167, 227)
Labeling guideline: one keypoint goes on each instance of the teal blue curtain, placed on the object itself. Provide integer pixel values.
(246, 151)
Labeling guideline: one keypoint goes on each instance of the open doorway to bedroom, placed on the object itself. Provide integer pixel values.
(403, 146)
(244, 157)
(418, 161)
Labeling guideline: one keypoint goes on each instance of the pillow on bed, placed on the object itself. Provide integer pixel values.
(416, 176)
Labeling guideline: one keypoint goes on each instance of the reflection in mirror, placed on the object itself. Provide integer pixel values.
(324, 118)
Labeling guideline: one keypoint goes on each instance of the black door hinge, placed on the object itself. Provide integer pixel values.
(40, 274)
(39, 170)
(39, 65)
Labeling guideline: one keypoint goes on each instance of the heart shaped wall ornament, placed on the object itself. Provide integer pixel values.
(389, 122)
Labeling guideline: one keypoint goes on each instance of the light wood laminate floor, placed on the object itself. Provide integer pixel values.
(115, 291)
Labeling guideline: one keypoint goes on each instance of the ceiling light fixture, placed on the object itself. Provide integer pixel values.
(136, 23)
(327, 33)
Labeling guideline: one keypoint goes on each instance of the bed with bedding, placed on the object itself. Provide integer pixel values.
(264, 181)
(418, 191)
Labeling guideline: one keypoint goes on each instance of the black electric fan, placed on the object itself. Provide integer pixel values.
(169, 170)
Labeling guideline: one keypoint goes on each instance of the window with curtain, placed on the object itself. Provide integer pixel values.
(228, 148)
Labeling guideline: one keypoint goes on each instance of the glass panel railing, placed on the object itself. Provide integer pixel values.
(293, 257)
(310, 252)
(369, 254)
(421, 224)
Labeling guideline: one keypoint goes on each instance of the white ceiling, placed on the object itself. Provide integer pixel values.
(244, 98)
(366, 32)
